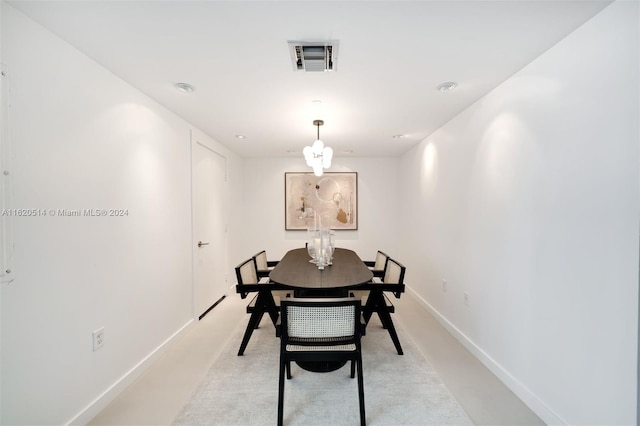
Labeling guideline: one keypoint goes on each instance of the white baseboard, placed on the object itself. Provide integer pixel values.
(528, 398)
(137, 371)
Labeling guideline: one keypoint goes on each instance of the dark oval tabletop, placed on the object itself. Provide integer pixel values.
(295, 270)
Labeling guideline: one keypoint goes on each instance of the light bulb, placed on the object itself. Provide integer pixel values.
(308, 155)
(327, 155)
(317, 147)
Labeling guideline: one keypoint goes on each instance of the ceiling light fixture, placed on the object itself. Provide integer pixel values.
(318, 156)
(184, 87)
(446, 87)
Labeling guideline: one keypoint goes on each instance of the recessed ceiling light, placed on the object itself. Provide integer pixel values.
(239, 136)
(447, 86)
(399, 136)
(347, 151)
(184, 87)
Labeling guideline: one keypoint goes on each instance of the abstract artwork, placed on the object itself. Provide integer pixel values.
(330, 200)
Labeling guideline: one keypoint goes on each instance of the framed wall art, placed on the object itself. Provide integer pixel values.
(330, 200)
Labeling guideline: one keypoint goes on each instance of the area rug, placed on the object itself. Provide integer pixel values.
(399, 390)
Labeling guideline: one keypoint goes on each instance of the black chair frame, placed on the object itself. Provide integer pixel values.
(377, 302)
(262, 303)
(372, 263)
(262, 273)
(286, 356)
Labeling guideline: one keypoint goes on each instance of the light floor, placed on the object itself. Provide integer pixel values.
(159, 395)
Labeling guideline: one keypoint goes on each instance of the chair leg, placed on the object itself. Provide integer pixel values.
(374, 301)
(253, 321)
(269, 305)
(353, 368)
(264, 303)
(385, 317)
(288, 370)
(366, 313)
(259, 320)
(281, 393)
(363, 417)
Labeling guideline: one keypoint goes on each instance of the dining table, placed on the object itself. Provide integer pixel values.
(295, 273)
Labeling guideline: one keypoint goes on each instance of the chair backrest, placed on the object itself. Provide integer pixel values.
(320, 322)
(381, 260)
(246, 273)
(261, 261)
(394, 274)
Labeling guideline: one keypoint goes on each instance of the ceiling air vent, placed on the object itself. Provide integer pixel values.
(314, 55)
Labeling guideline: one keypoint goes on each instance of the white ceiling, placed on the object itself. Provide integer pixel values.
(392, 55)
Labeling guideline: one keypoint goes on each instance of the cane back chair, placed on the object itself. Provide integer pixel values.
(320, 330)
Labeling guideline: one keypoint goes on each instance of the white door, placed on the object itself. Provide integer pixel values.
(209, 226)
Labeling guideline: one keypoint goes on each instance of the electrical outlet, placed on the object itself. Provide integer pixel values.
(466, 298)
(98, 339)
(444, 286)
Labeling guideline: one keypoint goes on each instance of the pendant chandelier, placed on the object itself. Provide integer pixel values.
(317, 155)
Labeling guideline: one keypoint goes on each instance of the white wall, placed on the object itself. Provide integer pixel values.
(84, 139)
(529, 201)
(264, 207)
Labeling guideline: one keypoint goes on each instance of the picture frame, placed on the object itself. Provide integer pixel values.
(330, 200)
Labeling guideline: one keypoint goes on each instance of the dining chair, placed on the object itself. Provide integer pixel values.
(312, 330)
(263, 301)
(263, 265)
(264, 268)
(377, 266)
(378, 302)
(394, 273)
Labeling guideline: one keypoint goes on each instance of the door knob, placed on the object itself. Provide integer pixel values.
(200, 244)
